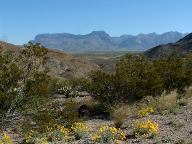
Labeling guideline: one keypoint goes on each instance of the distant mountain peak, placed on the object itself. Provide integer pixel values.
(99, 33)
(142, 34)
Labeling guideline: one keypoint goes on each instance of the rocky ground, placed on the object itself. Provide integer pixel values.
(175, 128)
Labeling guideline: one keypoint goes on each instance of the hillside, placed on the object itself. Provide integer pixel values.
(8, 47)
(101, 41)
(183, 46)
(67, 66)
(60, 64)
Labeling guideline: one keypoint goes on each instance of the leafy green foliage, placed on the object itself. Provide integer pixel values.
(10, 74)
(24, 83)
(174, 73)
(102, 87)
(137, 77)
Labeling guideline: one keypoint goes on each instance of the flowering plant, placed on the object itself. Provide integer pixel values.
(144, 112)
(106, 134)
(80, 130)
(68, 91)
(146, 128)
(6, 139)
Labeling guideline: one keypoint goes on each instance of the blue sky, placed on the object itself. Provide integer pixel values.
(21, 20)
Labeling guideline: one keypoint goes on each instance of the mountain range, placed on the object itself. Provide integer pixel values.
(101, 41)
(181, 47)
(67, 66)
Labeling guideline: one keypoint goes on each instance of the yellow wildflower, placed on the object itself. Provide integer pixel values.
(6, 139)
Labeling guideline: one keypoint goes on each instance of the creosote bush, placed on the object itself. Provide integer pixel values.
(65, 113)
(24, 83)
(137, 77)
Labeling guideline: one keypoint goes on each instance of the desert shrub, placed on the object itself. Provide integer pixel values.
(61, 113)
(99, 109)
(66, 88)
(52, 122)
(136, 78)
(182, 141)
(69, 113)
(102, 88)
(82, 84)
(68, 91)
(146, 128)
(182, 102)
(174, 72)
(119, 114)
(165, 103)
(188, 93)
(24, 83)
(54, 85)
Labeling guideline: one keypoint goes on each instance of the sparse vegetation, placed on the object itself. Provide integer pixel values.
(165, 104)
(138, 92)
(137, 77)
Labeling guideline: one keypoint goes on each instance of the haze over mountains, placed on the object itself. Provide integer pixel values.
(101, 41)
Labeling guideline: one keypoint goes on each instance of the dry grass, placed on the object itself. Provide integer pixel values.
(164, 103)
(188, 92)
(119, 114)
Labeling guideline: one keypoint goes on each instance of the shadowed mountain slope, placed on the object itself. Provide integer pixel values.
(183, 46)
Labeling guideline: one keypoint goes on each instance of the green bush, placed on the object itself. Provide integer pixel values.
(24, 84)
(61, 113)
(174, 72)
(137, 77)
(103, 88)
(99, 109)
